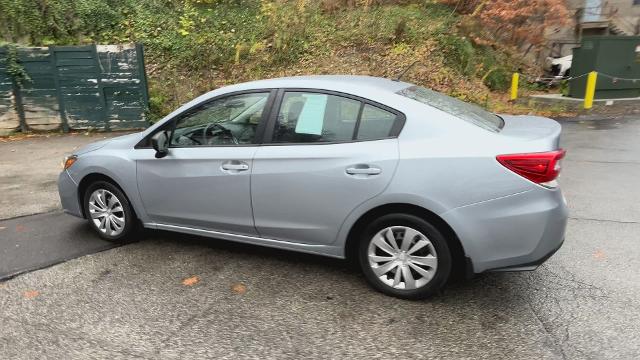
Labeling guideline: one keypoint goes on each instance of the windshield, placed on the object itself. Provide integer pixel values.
(465, 111)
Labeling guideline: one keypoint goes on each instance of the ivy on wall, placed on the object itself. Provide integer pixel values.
(15, 70)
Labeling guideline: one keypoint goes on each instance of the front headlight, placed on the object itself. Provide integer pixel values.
(68, 161)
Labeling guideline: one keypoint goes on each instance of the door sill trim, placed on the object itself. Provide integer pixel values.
(325, 250)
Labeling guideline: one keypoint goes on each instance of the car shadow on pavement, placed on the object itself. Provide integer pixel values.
(34, 246)
(484, 284)
(244, 249)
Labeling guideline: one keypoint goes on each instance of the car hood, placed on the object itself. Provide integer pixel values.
(92, 147)
(100, 144)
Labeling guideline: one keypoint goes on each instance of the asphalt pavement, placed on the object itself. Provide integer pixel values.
(34, 242)
(29, 168)
(174, 296)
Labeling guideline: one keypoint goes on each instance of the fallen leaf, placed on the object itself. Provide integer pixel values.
(190, 281)
(30, 294)
(239, 288)
(599, 254)
(21, 228)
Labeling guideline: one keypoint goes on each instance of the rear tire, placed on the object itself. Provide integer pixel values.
(109, 212)
(403, 255)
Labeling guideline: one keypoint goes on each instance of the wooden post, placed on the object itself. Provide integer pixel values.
(236, 59)
(101, 87)
(143, 76)
(591, 90)
(19, 106)
(514, 85)
(56, 79)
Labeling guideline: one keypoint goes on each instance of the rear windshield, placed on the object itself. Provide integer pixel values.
(465, 111)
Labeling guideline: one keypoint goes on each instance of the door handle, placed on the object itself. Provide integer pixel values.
(363, 171)
(237, 166)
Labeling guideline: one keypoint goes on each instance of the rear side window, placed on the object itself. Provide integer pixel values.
(309, 117)
(375, 123)
(465, 111)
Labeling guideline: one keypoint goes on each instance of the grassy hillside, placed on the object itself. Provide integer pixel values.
(193, 46)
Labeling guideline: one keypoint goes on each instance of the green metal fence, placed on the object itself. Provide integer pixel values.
(75, 87)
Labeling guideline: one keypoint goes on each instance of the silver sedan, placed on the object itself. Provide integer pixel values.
(413, 185)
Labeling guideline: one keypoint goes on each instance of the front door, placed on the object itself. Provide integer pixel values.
(328, 154)
(204, 181)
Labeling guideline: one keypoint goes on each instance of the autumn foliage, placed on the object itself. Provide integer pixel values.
(519, 22)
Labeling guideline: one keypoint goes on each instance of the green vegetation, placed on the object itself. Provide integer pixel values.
(15, 70)
(193, 46)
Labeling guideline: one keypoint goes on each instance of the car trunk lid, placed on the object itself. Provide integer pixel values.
(542, 134)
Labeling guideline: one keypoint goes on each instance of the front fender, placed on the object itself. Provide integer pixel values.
(116, 166)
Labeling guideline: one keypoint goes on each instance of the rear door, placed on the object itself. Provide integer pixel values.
(324, 154)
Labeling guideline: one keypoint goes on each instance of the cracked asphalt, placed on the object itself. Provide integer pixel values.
(174, 296)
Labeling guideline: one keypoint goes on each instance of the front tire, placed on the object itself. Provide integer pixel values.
(109, 212)
(403, 255)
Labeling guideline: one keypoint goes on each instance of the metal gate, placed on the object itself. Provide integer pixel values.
(75, 87)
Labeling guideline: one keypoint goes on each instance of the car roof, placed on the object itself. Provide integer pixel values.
(369, 87)
(342, 83)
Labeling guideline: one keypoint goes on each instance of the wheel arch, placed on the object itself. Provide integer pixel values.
(461, 263)
(92, 178)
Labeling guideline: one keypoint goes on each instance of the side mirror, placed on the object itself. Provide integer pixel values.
(160, 143)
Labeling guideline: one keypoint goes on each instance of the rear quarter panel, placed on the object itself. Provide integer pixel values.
(450, 163)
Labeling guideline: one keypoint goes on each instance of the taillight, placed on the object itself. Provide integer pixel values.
(540, 168)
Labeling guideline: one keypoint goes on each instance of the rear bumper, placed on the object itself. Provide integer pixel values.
(68, 191)
(531, 265)
(513, 233)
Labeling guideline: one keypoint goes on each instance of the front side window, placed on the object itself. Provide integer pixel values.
(315, 117)
(465, 111)
(232, 120)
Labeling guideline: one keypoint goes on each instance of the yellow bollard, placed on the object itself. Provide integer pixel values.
(591, 90)
(514, 86)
